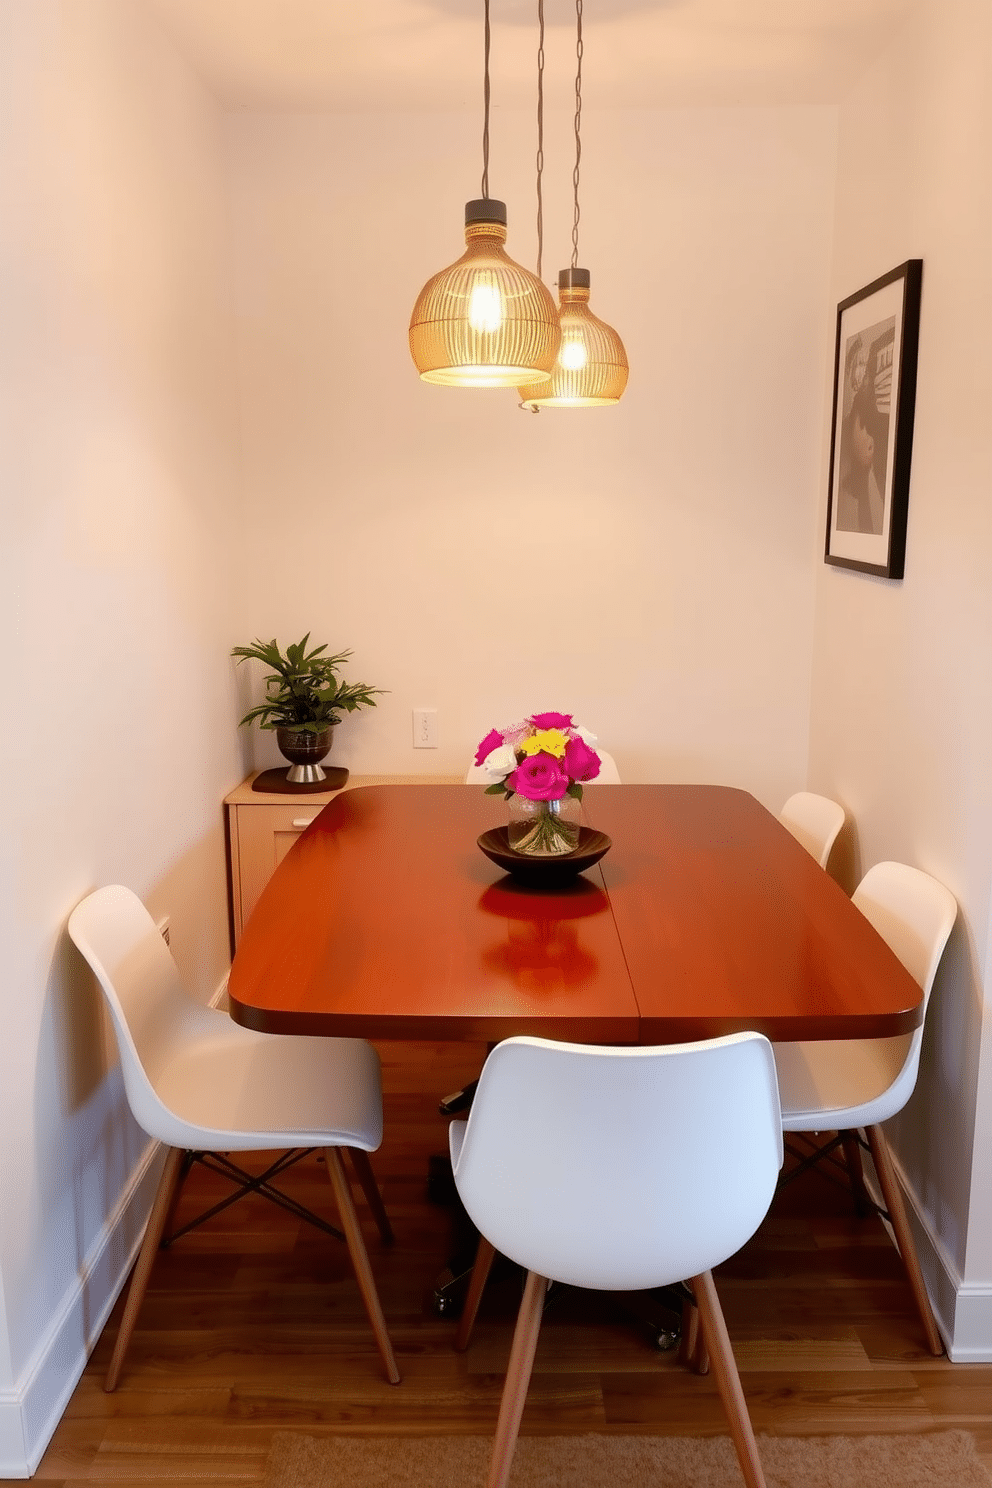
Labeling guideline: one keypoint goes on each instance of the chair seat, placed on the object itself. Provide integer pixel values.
(255, 1091)
(842, 1084)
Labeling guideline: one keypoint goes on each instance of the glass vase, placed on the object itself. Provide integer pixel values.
(545, 829)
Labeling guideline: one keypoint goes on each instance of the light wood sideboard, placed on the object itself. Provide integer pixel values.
(261, 828)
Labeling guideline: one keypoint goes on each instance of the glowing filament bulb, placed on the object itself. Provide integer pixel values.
(485, 308)
(573, 355)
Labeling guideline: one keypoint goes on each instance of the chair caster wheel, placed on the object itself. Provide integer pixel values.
(450, 1288)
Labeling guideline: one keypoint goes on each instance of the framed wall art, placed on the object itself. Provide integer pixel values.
(871, 437)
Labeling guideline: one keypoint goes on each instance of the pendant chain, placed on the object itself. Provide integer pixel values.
(540, 136)
(578, 138)
(485, 112)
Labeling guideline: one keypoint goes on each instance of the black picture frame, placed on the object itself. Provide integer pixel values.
(871, 432)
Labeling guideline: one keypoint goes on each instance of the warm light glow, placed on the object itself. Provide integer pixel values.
(573, 355)
(484, 321)
(591, 369)
(485, 306)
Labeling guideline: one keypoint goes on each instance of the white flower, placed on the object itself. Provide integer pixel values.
(499, 763)
(585, 735)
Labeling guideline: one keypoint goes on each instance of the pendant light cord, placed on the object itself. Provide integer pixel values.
(578, 137)
(485, 111)
(540, 136)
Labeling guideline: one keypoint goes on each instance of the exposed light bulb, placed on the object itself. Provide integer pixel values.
(573, 355)
(485, 308)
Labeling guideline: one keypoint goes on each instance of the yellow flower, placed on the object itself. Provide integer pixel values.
(547, 741)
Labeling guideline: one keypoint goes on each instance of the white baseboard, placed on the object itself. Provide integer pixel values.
(13, 1452)
(963, 1311)
(972, 1342)
(219, 998)
(30, 1412)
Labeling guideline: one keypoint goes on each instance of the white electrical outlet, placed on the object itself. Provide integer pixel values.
(425, 728)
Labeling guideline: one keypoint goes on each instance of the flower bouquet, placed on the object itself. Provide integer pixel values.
(539, 765)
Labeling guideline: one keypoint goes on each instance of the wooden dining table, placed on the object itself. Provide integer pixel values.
(705, 917)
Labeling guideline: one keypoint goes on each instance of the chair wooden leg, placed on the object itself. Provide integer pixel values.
(146, 1259)
(517, 1379)
(366, 1177)
(904, 1236)
(360, 1260)
(484, 1257)
(727, 1378)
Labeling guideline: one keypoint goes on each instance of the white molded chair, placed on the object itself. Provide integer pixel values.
(199, 1083)
(618, 1169)
(843, 1085)
(814, 821)
(608, 772)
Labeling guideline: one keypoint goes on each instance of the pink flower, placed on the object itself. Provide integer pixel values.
(540, 778)
(492, 741)
(581, 762)
(516, 733)
(552, 720)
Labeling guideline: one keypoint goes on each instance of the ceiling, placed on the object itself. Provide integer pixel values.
(427, 54)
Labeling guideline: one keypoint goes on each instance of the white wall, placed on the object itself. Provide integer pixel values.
(115, 469)
(654, 567)
(902, 688)
(648, 567)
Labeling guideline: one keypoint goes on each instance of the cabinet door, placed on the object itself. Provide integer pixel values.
(261, 836)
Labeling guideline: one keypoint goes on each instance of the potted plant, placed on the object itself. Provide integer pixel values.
(304, 701)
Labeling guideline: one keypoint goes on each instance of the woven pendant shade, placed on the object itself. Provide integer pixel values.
(485, 321)
(591, 367)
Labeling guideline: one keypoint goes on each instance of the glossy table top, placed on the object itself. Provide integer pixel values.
(706, 917)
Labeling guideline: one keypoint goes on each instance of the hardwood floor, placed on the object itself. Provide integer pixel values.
(253, 1324)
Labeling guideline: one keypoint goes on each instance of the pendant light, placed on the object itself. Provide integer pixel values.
(484, 321)
(590, 370)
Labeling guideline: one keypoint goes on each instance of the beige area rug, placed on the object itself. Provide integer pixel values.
(943, 1459)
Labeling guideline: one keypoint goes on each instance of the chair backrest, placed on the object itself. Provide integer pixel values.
(621, 1168)
(914, 915)
(814, 821)
(152, 1013)
(608, 772)
(912, 912)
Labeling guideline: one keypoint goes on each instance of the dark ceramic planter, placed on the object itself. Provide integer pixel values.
(305, 752)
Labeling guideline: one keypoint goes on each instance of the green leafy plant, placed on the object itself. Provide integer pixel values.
(303, 691)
